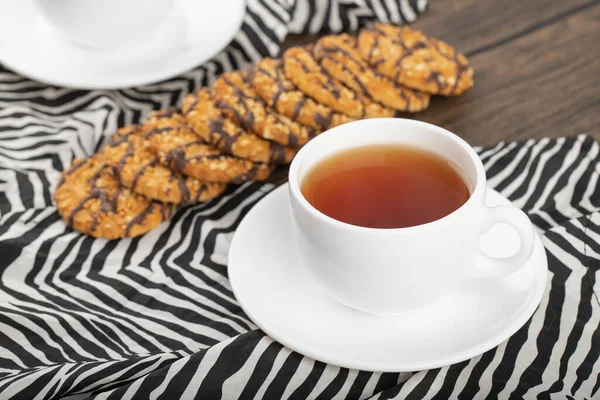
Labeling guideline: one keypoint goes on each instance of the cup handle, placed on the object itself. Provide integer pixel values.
(511, 215)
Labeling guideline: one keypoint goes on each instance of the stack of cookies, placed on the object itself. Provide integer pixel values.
(251, 121)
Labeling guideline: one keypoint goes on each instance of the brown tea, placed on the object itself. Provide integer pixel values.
(385, 186)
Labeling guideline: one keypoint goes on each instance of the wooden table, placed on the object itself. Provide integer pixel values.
(537, 67)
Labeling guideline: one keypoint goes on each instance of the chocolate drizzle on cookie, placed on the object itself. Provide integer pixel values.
(323, 121)
(95, 193)
(79, 207)
(248, 117)
(165, 213)
(462, 65)
(139, 219)
(249, 174)
(275, 76)
(277, 153)
(182, 150)
(327, 54)
(324, 51)
(328, 50)
(137, 164)
(128, 153)
(276, 79)
(184, 191)
(317, 84)
(158, 130)
(74, 167)
(175, 158)
(372, 51)
(105, 189)
(140, 172)
(226, 141)
(406, 52)
(166, 113)
(446, 77)
(117, 139)
(298, 107)
(329, 85)
(191, 106)
(238, 100)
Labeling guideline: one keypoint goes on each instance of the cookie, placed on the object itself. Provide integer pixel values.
(269, 82)
(210, 124)
(139, 170)
(177, 147)
(303, 70)
(339, 57)
(415, 60)
(236, 98)
(91, 200)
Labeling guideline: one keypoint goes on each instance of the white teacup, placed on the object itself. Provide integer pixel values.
(105, 24)
(390, 271)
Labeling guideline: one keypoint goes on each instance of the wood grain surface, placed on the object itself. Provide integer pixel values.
(537, 68)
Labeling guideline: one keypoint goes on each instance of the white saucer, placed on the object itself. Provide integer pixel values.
(195, 31)
(280, 296)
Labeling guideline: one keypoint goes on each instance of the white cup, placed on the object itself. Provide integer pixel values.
(390, 271)
(105, 24)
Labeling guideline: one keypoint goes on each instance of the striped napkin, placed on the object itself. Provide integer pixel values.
(154, 316)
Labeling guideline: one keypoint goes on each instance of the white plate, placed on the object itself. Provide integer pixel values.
(281, 297)
(195, 31)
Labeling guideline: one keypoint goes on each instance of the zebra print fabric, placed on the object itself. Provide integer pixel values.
(154, 317)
